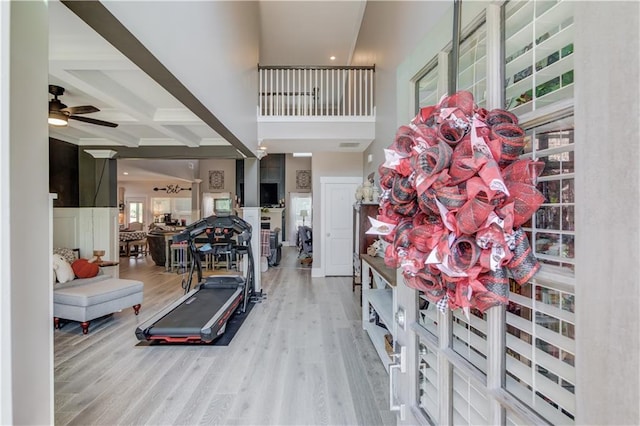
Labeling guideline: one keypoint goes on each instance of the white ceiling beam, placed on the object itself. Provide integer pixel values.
(183, 135)
(175, 116)
(121, 97)
(73, 63)
(99, 85)
(213, 142)
(114, 135)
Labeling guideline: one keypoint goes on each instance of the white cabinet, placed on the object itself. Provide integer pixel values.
(379, 305)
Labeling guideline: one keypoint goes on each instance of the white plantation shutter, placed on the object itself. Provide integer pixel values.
(480, 369)
(538, 54)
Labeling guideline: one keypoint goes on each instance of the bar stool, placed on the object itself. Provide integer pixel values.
(179, 256)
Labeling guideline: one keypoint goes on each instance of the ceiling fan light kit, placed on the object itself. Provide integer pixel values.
(57, 118)
(59, 113)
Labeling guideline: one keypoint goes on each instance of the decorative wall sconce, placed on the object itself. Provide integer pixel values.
(172, 189)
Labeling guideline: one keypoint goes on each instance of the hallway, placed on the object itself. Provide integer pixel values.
(301, 357)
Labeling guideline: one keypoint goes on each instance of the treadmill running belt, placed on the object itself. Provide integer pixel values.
(188, 318)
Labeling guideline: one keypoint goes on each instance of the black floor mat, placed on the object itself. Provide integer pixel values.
(233, 325)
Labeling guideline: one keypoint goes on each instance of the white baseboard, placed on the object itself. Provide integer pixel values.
(317, 273)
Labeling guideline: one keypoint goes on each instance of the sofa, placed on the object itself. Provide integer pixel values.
(85, 299)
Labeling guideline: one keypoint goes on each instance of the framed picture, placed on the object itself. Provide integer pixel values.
(216, 179)
(303, 179)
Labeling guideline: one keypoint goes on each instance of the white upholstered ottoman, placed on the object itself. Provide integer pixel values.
(91, 298)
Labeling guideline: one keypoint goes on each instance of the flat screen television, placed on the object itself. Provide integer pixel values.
(222, 206)
(268, 194)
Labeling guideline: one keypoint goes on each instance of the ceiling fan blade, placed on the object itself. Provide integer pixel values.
(94, 121)
(82, 109)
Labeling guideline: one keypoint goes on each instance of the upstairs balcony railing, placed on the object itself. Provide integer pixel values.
(316, 91)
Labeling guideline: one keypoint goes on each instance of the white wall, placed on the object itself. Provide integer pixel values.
(437, 41)
(223, 74)
(6, 411)
(607, 102)
(325, 164)
(27, 350)
(229, 169)
(389, 32)
(88, 229)
(292, 164)
(144, 190)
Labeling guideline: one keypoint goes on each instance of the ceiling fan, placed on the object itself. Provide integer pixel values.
(59, 113)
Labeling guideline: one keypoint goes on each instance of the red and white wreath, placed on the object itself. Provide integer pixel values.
(457, 194)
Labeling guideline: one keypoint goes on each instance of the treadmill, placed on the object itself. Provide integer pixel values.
(201, 315)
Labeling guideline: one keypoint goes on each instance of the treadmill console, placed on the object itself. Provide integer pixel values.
(222, 224)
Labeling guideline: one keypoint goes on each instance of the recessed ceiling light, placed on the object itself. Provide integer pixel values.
(302, 154)
(333, 58)
(125, 173)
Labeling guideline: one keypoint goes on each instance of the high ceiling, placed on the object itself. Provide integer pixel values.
(93, 72)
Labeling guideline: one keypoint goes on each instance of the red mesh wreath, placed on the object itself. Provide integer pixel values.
(458, 195)
(498, 116)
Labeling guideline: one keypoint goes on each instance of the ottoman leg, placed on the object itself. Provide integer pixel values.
(85, 327)
(56, 323)
(136, 308)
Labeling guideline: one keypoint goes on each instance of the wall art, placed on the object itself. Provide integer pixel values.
(216, 179)
(303, 179)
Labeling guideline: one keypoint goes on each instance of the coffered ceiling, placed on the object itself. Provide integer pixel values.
(93, 72)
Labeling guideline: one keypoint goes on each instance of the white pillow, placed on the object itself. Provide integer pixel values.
(63, 269)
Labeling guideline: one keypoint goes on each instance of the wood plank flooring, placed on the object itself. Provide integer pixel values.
(300, 358)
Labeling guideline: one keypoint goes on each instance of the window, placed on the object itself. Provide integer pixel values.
(470, 402)
(540, 330)
(428, 315)
(427, 92)
(428, 380)
(470, 337)
(457, 355)
(552, 229)
(472, 64)
(136, 212)
(178, 208)
(540, 361)
(538, 54)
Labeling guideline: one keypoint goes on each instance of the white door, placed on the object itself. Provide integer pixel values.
(337, 230)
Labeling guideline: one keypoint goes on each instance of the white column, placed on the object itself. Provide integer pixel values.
(607, 224)
(6, 412)
(26, 325)
(196, 200)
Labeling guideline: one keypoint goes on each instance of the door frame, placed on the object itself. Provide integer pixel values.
(324, 205)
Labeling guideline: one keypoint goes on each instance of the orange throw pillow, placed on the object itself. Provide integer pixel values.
(83, 269)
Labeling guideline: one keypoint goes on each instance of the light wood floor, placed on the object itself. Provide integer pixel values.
(300, 358)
